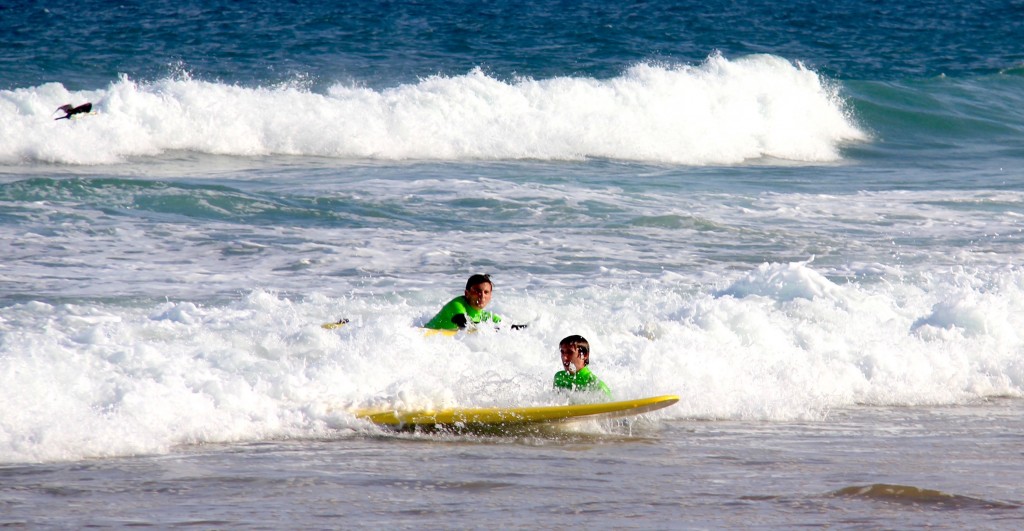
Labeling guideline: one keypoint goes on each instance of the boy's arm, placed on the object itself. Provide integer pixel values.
(586, 379)
(448, 317)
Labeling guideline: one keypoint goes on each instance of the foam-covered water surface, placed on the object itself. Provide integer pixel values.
(781, 342)
(723, 111)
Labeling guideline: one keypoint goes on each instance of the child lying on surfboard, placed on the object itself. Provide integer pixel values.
(467, 310)
(577, 376)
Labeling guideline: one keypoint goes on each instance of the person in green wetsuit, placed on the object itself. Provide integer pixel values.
(467, 309)
(577, 376)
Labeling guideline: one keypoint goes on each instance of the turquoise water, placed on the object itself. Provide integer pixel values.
(805, 222)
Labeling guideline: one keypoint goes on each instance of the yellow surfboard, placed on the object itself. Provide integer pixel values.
(430, 332)
(333, 325)
(513, 416)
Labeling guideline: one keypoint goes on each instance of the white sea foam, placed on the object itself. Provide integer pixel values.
(779, 342)
(720, 112)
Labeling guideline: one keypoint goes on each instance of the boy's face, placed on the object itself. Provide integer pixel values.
(479, 295)
(574, 358)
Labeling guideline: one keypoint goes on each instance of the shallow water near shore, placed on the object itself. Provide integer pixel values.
(934, 467)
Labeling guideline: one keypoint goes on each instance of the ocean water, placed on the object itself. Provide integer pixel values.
(807, 222)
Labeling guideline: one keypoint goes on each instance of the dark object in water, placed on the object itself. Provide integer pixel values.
(71, 111)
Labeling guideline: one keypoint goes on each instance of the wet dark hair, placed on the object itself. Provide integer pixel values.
(581, 344)
(479, 279)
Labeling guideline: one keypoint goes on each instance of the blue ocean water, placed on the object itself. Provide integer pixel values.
(804, 220)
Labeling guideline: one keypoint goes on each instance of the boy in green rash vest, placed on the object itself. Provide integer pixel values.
(467, 308)
(577, 376)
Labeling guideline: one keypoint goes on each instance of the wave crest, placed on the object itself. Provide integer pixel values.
(720, 112)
